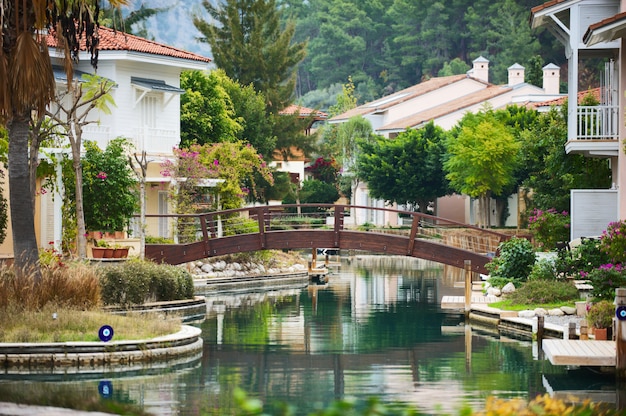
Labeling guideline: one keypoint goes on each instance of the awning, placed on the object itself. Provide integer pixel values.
(155, 85)
(61, 76)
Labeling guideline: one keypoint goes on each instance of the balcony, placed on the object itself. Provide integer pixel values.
(156, 141)
(597, 131)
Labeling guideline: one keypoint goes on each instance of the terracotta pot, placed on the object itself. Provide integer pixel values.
(98, 252)
(121, 253)
(108, 253)
(601, 334)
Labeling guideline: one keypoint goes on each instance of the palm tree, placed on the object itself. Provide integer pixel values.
(27, 85)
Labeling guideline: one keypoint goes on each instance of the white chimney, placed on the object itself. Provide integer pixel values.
(481, 69)
(551, 79)
(516, 74)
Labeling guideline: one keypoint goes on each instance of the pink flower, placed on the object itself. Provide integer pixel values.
(101, 175)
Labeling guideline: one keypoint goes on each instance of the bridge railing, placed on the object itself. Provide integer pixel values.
(190, 228)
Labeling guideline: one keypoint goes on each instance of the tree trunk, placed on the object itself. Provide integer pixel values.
(81, 232)
(25, 247)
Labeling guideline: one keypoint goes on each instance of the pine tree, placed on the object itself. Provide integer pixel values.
(250, 45)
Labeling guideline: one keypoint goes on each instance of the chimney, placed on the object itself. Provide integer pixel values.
(551, 79)
(516, 74)
(481, 69)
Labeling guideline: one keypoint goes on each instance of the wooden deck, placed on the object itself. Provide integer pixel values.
(458, 302)
(580, 353)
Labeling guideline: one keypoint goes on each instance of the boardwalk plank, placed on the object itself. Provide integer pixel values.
(580, 353)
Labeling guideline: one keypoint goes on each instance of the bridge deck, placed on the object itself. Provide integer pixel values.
(458, 302)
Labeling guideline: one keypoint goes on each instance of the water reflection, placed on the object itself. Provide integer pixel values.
(375, 329)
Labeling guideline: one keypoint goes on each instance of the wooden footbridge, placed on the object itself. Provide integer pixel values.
(323, 226)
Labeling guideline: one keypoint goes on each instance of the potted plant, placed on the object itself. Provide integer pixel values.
(101, 249)
(600, 317)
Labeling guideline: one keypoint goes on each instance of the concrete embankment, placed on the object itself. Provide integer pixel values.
(85, 357)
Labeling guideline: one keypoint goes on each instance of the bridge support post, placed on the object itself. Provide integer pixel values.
(468, 286)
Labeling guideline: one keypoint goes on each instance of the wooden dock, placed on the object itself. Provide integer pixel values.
(580, 352)
(458, 302)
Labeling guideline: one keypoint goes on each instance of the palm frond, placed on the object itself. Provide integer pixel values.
(32, 79)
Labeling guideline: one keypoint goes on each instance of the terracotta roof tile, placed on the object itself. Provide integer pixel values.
(112, 40)
(602, 23)
(561, 100)
(546, 5)
(447, 108)
(400, 96)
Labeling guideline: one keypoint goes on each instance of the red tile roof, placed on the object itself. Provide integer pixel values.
(609, 20)
(303, 112)
(561, 100)
(546, 5)
(113, 40)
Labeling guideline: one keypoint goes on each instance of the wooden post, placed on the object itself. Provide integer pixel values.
(314, 258)
(468, 287)
(620, 334)
(571, 330)
(584, 330)
(540, 327)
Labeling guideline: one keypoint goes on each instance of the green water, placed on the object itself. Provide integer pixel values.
(370, 331)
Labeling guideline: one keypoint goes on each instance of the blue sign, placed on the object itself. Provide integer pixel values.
(105, 388)
(105, 333)
(620, 312)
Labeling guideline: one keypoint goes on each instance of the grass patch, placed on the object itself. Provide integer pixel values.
(540, 293)
(508, 305)
(75, 325)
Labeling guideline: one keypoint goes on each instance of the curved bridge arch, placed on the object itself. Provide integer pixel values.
(430, 237)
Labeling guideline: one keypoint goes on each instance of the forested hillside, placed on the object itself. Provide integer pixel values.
(387, 45)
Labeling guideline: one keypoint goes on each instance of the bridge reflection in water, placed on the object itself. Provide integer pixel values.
(322, 226)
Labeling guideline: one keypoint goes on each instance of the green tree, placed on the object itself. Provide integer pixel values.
(27, 84)
(71, 112)
(206, 110)
(454, 67)
(481, 159)
(550, 172)
(249, 107)
(407, 169)
(250, 44)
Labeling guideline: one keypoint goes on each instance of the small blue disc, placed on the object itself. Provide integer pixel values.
(105, 388)
(105, 333)
(620, 312)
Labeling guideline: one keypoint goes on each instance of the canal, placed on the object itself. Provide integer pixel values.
(375, 329)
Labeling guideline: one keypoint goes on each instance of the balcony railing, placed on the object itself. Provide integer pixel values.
(156, 141)
(598, 122)
(99, 134)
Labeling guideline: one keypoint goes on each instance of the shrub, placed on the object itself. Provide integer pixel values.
(515, 260)
(543, 270)
(600, 314)
(158, 240)
(136, 282)
(549, 227)
(613, 241)
(605, 279)
(541, 291)
(582, 259)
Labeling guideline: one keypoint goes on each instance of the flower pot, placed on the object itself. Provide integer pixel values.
(121, 253)
(601, 334)
(108, 253)
(98, 252)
